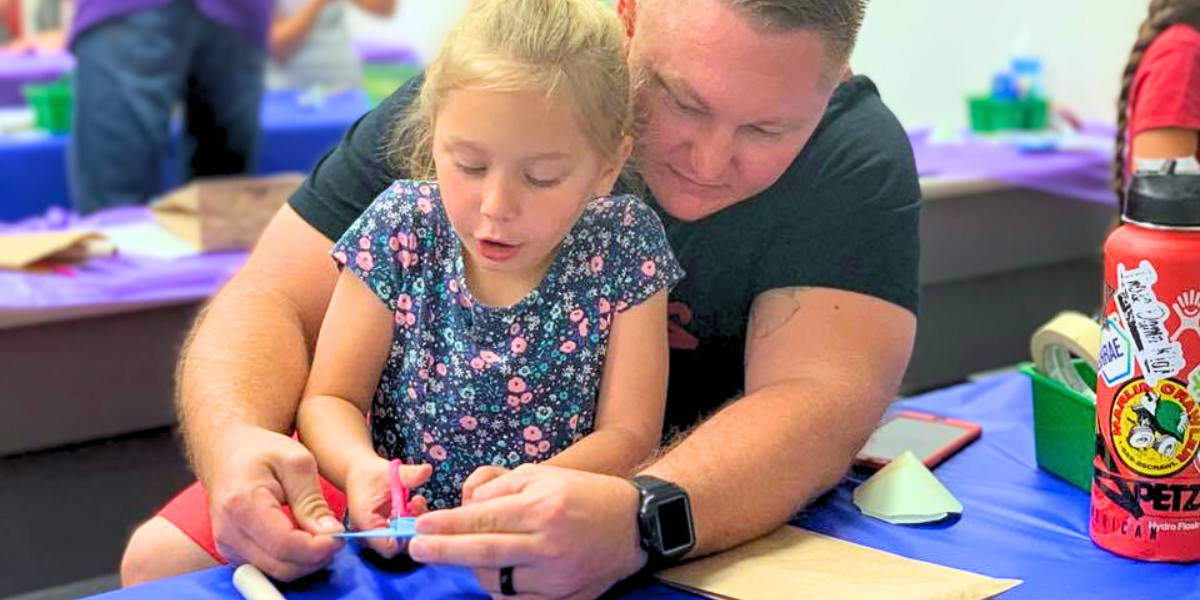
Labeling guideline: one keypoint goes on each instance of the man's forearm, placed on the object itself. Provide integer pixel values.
(245, 364)
(613, 451)
(761, 459)
(288, 34)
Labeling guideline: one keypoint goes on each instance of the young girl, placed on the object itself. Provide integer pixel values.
(509, 311)
(1159, 110)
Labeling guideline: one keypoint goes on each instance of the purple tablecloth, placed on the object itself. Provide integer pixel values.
(119, 280)
(378, 51)
(18, 70)
(1084, 174)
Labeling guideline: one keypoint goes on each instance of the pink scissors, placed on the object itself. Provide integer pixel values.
(402, 524)
(400, 507)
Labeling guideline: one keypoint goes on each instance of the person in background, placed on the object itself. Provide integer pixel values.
(10, 20)
(310, 44)
(136, 61)
(50, 19)
(1158, 115)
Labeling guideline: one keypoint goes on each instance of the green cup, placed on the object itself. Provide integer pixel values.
(51, 103)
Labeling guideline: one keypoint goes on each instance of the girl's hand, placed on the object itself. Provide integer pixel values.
(481, 476)
(369, 499)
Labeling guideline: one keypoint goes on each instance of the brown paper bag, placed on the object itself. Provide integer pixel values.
(792, 564)
(27, 250)
(225, 214)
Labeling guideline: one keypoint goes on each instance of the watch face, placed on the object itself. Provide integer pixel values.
(673, 526)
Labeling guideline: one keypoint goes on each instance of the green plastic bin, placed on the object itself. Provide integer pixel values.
(1064, 426)
(51, 103)
(1037, 111)
(990, 115)
(1007, 114)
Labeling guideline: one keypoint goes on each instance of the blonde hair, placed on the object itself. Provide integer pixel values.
(568, 49)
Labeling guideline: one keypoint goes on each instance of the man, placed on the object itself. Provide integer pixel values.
(789, 195)
(137, 60)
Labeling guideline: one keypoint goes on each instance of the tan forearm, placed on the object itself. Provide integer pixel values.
(289, 33)
(379, 8)
(757, 462)
(245, 365)
(336, 432)
(611, 451)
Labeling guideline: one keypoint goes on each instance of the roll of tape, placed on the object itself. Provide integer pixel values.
(1070, 334)
(253, 585)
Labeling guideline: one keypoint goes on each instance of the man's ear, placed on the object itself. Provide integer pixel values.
(627, 10)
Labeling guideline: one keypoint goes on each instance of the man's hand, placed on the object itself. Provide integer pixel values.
(247, 491)
(567, 534)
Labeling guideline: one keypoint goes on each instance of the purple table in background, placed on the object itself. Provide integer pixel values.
(99, 346)
(381, 52)
(18, 70)
(1084, 174)
(1008, 239)
(117, 325)
(121, 281)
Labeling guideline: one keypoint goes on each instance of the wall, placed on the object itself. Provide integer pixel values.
(925, 71)
(926, 55)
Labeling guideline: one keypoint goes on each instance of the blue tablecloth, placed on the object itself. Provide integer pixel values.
(1018, 522)
(33, 174)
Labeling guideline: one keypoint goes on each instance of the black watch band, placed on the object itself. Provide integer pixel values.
(664, 521)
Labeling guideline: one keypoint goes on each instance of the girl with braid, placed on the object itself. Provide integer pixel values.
(1159, 110)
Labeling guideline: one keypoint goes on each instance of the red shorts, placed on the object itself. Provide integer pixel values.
(189, 512)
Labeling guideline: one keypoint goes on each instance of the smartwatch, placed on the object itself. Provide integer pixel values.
(664, 521)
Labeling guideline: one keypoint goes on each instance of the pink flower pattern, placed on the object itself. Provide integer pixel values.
(466, 384)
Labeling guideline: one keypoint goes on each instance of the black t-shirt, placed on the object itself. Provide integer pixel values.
(844, 215)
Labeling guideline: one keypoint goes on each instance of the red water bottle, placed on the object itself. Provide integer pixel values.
(1146, 487)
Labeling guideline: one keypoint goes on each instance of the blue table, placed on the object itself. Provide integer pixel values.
(33, 171)
(1018, 522)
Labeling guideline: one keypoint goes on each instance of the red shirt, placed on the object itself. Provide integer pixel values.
(12, 19)
(1166, 87)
